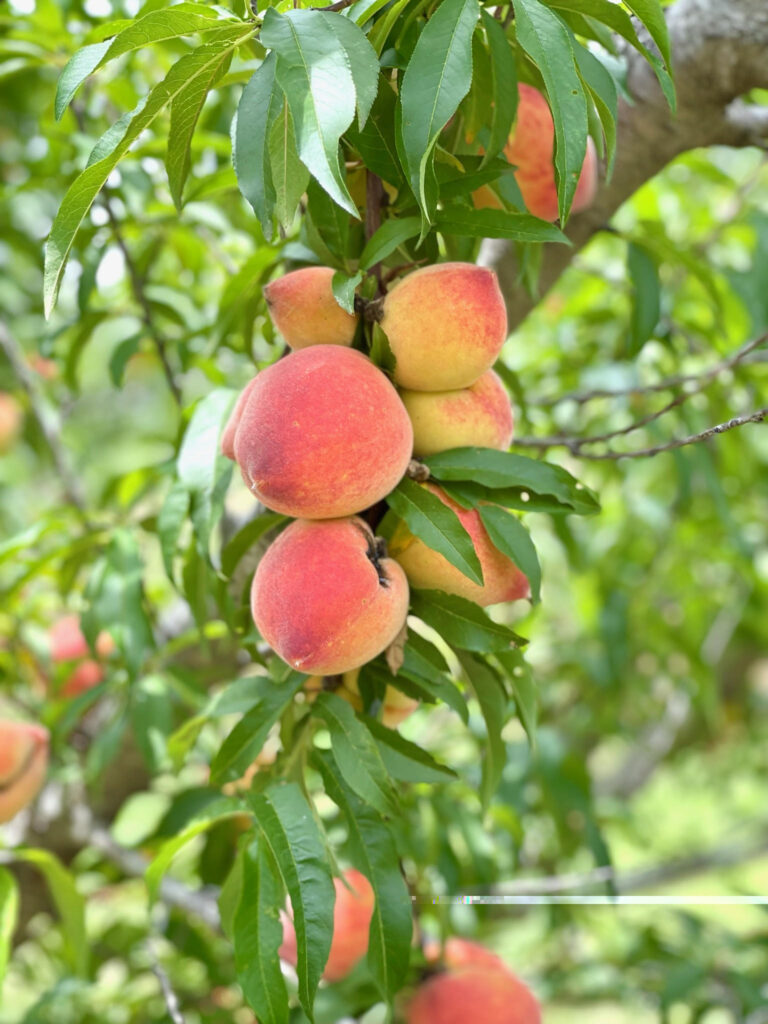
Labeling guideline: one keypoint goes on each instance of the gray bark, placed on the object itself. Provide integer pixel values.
(719, 52)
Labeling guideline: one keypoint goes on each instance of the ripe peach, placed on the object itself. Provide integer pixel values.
(67, 643)
(305, 312)
(478, 415)
(23, 764)
(325, 598)
(321, 434)
(473, 995)
(530, 148)
(228, 437)
(426, 569)
(463, 953)
(10, 420)
(351, 923)
(446, 325)
(397, 706)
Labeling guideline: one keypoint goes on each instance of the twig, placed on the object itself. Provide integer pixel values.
(172, 1003)
(574, 445)
(141, 299)
(581, 398)
(47, 418)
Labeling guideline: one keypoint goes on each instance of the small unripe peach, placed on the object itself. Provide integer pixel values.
(23, 764)
(445, 324)
(479, 415)
(396, 705)
(305, 312)
(325, 598)
(530, 148)
(352, 915)
(426, 569)
(322, 433)
(473, 995)
(10, 421)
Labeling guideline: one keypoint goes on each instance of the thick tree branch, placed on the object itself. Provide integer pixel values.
(720, 52)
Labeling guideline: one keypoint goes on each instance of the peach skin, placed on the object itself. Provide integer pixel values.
(322, 433)
(351, 924)
(480, 415)
(325, 598)
(473, 995)
(23, 764)
(445, 324)
(305, 312)
(428, 570)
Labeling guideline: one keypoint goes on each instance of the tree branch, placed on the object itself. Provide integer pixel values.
(719, 53)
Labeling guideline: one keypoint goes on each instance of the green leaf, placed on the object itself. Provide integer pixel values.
(374, 852)
(151, 712)
(217, 810)
(651, 13)
(602, 88)
(405, 761)
(462, 622)
(509, 535)
(331, 223)
(380, 353)
(522, 227)
(503, 86)
(260, 105)
(185, 112)
(247, 738)
(9, 914)
(313, 70)
(170, 522)
(363, 62)
(289, 175)
(387, 238)
(470, 495)
(646, 296)
(68, 901)
(436, 80)
(430, 519)
(158, 26)
(196, 464)
(343, 287)
(547, 41)
(492, 699)
(355, 752)
(257, 934)
(86, 186)
(376, 142)
(246, 537)
(419, 667)
(518, 672)
(505, 469)
(290, 832)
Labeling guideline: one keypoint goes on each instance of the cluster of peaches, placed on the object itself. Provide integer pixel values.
(323, 435)
(466, 983)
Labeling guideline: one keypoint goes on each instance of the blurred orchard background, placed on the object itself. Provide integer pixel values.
(649, 694)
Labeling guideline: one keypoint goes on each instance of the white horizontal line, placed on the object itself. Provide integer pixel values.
(638, 901)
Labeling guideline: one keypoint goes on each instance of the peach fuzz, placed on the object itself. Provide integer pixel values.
(445, 324)
(325, 598)
(305, 312)
(322, 433)
(351, 924)
(478, 415)
(23, 764)
(473, 995)
(396, 705)
(530, 148)
(428, 570)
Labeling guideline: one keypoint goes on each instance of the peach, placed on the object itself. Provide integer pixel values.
(463, 953)
(228, 437)
(445, 324)
(530, 148)
(10, 420)
(478, 415)
(325, 597)
(67, 643)
(322, 433)
(23, 764)
(305, 312)
(397, 706)
(351, 924)
(426, 569)
(473, 995)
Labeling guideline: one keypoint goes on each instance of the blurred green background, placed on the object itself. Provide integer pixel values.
(649, 650)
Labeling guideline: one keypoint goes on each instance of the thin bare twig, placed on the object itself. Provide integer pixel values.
(574, 445)
(172, 1003)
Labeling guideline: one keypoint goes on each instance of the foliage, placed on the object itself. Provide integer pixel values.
(115, 503)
